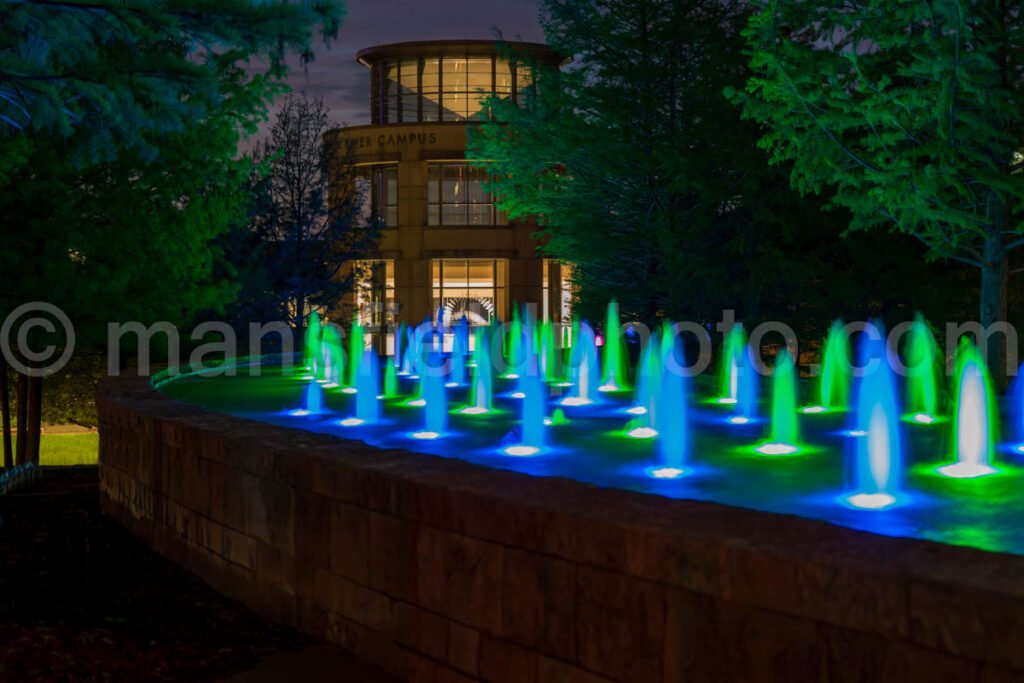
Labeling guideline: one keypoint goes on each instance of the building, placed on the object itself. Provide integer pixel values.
(445, 246)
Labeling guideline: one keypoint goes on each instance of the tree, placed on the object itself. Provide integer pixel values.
(119, 126)
(905, 114)
(312, 238)
(644, 176)
(108, 73)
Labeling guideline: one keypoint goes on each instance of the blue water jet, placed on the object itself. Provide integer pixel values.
(878, 463)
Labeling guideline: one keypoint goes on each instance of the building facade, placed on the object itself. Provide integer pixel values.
(445, 246)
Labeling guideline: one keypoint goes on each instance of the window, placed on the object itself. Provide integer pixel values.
(474, 288)
(443, 88)
(375, 301)
(456, 196)
(381, 187)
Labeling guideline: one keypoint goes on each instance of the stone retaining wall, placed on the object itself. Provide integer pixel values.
(443, 571)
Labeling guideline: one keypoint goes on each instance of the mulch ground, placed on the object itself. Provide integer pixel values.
(82, 600)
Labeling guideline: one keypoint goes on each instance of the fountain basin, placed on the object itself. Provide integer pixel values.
(434, 567)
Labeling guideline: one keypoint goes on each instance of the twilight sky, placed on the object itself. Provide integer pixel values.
(344, 83)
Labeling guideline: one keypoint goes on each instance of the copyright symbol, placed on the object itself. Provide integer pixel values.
(21, 345)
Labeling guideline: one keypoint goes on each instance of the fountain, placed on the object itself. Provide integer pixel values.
(408, 366)
(435, 408)
(583, 368)
(533, 414)
(482, 377)
(312, 400)
(746, 389)
(732, 357)
(390, 378)
(311, 343)
(332, 356)
(356, 345)
(460, 347)
(514, 357)
(974, 419)
(613, 353)
(784, 431)
(878, 459)
(647, 376)
(367, 390)
(550, 366)
(834, 381)
(673, 427)
(922, 368)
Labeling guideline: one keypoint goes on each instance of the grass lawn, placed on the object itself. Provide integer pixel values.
(69, 449)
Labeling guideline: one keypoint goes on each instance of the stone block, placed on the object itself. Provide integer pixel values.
(620, 625)
(460, 577)
(503, 662)
(538, 603)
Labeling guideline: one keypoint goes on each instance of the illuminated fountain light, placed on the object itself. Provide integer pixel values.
(368, 383)
(460, 349)
(613, 360)
(435, 408)
(784, 430)
(648, 376)
(520, 451)
(312, 401)
(665, 472)
(332, 356)
(481, 390)
(813, 410)
(531, 426)
(517, 394)
(871, 501)
(974, 422)
(738, 420)
(349, 390)
(351, 422)
(642, 433)
(311, 346)
(776, 449)
(390, 378)
(834, 382)
(923, 418)
(855, 433)
(732, 358)
(672, 413)
(879, 454)
(583, 368)
(416, 402)
(922, 361)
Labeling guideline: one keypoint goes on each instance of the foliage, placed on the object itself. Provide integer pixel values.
(311, 232)
(905, 114)
(644, 176)
(106, 75)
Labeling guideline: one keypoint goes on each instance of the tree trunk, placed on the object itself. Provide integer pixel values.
(22, 414)
(5, 410)
(994, 306)
(35, 414)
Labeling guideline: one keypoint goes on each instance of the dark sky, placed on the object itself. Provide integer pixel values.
(344, 83)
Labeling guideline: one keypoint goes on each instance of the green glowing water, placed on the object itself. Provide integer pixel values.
(390, 378)
(785, 428)
(733, 346)
(311, 342)
(834, 389)
(921, 361)
(613, 360)
(355, 352)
